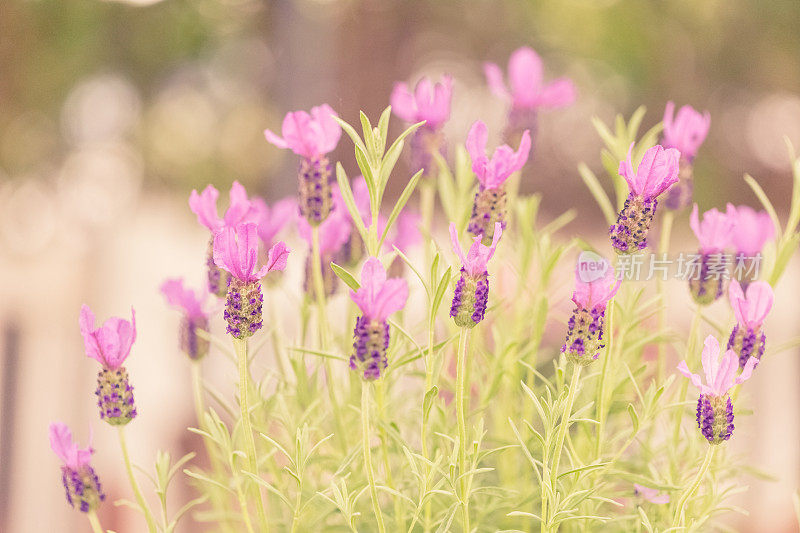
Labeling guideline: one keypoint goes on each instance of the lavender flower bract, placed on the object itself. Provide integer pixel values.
(685, 132)
(714, 233)
(194, 317)
(81, 484)
(751, 309)
(471, 294)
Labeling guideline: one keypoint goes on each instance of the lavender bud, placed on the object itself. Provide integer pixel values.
(715, 417)
(218, 278)
(709, 284)
(424, 143)
(191, 344)
(315, 197)
(629, 234)
(370, 342)
(469, 299)
(115, 396)
(328, 278)
(746, 343)
(519, 120)
(679, 196)
(585, 335)
(488, 208)
(82, 488)
(243, 308)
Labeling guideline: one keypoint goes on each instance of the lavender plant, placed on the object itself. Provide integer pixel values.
(488, 421)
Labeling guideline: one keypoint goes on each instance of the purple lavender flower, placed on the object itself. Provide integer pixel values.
(195, 316)
(81, 485)
(311, 136)
(714, 407)
(489, 206)
(377, 298)
(656, 173)
(593, 291)
(713, 233)
(110, 345)
(471, 294)
(236, 251)
(751, 309)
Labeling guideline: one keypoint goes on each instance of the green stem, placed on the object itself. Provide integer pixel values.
(95, 522)
(322, 318)
(424, 433)
(137, 492)
(461, 372)
(663, 248)
(681, 507)
(562, 429)
(367, 452)
(240, 345)
(601, 392)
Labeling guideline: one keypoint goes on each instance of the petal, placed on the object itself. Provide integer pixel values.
(726, 374)
(738, 302)
(521, 156)
(62, 444)
(456, 245)
(558, 93)
(710, 358)
(277, 257)
(274, 139)
(90, 344)
(626, 171)
(525, 76)
(669, 111)
(694, 378)
(239, 205)
(694, 222)
(391, 298)
(402, 102)
(331, 131)
(494, 78)
(204, 205)
(747, 371)
(759, 303)
(477, 138)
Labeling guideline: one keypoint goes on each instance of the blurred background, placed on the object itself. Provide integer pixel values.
(112, 112)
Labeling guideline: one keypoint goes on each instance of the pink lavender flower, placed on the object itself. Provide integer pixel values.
(526, 91)
(751, 308)
(334, 234)
(430, 103)
(311, 136)
(651, 495)
(471, 294)
(110, 345)
(236, 251)
(489, 205)
(686, 132)
(593, 290)
(714, 233)
(377, 298)
(714, 407)
(656, 173)
(751, 229)
(272, 219)
(240, 210)
(195, 316)
(81, 484)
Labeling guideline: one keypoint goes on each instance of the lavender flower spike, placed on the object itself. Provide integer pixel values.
(471, 294)
(656, 173)
(714, 407)
(81, 485)
(713, 233)
(110, 345)
(236, 251)
(595, 286)
(489, 207)
(311, 136)
(195, 316)
(377, 298)
(751, 309)
(685, 132)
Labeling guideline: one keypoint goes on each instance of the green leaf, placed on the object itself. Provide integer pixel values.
(351, 132)
(345, 276)
(634, 417)
(427, 402)
(349, 201)
(401, 203)
(383, 127)
(762, 197)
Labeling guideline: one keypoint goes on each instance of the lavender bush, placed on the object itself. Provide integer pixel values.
(518, 411)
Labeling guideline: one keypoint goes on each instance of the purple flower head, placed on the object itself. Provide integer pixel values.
(185, 299)
(111, 343)
(236, 251)
(204, 205)
(272, 219)
(651, 495)
(333, 231)
(753, 306)
(686, 131)
(720, 373)
(428, 102)
(714, 232)
(308, 135)
(525, 78)
(492, 173)
(478, 256)
(593, 291)
(379, 297)
(751, 229)
(66, 449)
(656, 173)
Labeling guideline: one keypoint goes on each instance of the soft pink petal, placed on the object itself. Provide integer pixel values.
(456, 245)
(726, 374)
(90, 343)
(694, 378)
(391, 298)
(239, 205)
(494, 78)
(558, 93)
(403, 104)
(525, 76)
(747, 371)
(204, 205)
(276, 140)
(331, 131)
(738, 301)
(477, 138)
(626, 171)
(277, 257)
(710, 359)
(752, 229)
